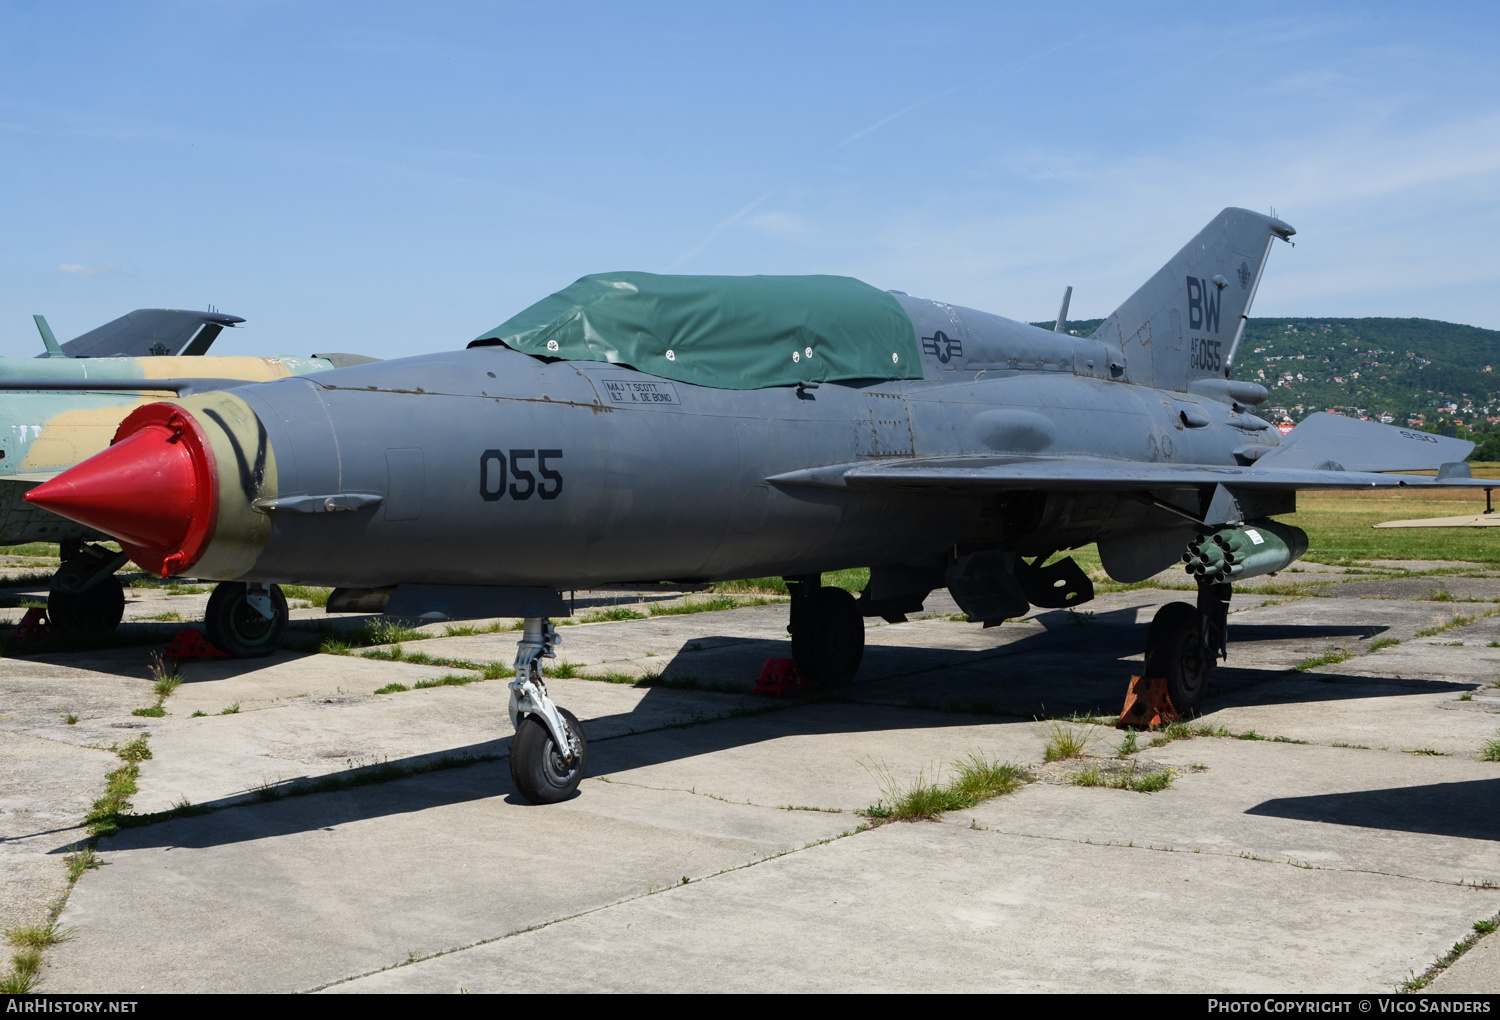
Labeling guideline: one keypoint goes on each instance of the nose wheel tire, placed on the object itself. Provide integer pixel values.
(97, 610)
(235, 626)
(828, 637)
(542, 774)
(1174, 650)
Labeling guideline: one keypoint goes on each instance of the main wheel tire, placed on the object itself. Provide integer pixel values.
(828, 637)
(1174, 650)
(95, 611)
(541, 774)
(232, 625)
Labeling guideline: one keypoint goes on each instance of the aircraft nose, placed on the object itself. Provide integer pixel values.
(153, 489)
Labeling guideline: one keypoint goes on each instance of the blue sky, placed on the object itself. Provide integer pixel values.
(393, 179)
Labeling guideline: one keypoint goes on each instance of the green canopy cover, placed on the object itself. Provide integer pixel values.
(730, 332)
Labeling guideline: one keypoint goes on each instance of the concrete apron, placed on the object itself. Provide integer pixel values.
(1275, 867)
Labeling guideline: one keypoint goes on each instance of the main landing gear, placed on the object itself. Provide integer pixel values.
(245, 619)
(828, 631)
(1185, 642)
(549, 753)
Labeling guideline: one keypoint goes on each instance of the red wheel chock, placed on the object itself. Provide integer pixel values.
(191, 644)
(1147, 704)
(34, 624)
(780, 678)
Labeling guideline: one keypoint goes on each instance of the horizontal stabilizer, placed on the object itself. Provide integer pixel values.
(1354, 444)
(1083, 474)
(151, 333)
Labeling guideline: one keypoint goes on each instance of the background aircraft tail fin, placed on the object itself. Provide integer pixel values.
(1185, 323)
(148, 332)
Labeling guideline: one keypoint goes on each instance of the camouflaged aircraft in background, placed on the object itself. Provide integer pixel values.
(65, 405)
(639, 428)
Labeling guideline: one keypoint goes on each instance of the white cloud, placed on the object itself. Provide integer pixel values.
(777, 224)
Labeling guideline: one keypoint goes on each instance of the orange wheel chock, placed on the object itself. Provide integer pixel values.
(1147, 704)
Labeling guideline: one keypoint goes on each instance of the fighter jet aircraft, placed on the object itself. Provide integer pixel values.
(637, 428)
(64, 407)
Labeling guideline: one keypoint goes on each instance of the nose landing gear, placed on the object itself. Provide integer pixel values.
(84, 596)
(549, 753)
(247, 620)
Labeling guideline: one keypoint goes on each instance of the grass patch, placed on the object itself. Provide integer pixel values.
(1490, 751)
(317, 596)
(853, 581)
(199, 714)
(233, 709)
(71, 719)
(392, 689)
(709, 605)
(1385, 642)
(155, 711)
(1128, 746)
(168, 617)
(1126, 778)
(1068, 741)
(610, 615)
(1424, 752)
(976, 778)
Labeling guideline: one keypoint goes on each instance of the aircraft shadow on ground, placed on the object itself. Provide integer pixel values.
(1075, 668)
(1470, 810)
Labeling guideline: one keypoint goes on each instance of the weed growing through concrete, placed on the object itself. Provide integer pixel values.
(1466, 696)
(71, 719)
(1128, 745)
(198, 714)
(1068, 742)
(80, 860)
(1126, 778)
(1424, 752)
(1385, 642)
(711, 605)
(1187, 731)
(976, 779)
(1490, 751)
(166, 679)
(233, 709)
(392, 689)
(451, 680)
(1416, 983)
(120, 785)
(1332, 657)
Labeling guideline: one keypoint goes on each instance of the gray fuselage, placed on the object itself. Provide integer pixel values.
(498, 468)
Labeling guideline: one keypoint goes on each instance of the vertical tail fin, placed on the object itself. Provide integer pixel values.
(1185, 323)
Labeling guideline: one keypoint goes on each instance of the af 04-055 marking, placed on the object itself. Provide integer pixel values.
(493, 482)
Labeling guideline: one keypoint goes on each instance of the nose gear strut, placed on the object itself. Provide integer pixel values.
(549, 751)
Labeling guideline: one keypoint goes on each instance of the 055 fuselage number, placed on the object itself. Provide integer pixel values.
(510, 472)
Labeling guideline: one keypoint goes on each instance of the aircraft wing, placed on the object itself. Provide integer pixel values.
(182, 387)
(1358, 445)
(1061, 474)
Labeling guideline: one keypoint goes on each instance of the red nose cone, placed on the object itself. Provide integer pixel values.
(153, 489)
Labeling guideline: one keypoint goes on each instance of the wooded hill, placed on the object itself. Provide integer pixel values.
(1442, 371)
